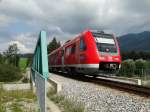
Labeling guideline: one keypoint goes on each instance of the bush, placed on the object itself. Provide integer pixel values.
(147, 64)
(9, 73)
(140, 66)
(127, 68)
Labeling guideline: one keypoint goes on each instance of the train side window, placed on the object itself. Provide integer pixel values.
(82, 45)
(73, 49)
(67, 51)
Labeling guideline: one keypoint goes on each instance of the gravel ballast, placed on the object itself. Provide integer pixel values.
(97, 98)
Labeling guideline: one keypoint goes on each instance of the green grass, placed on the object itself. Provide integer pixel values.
(23, 63)
(2, 108)
(66, 104)
(16, 97)
(16, 107)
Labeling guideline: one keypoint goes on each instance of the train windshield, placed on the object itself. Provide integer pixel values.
(105, 43)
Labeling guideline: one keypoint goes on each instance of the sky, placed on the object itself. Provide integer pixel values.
(22, 20)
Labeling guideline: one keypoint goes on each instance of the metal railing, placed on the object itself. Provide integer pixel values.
(139, 73)
(40, 58)
(39, 69)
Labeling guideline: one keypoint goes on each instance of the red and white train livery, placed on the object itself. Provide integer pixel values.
(89, 53)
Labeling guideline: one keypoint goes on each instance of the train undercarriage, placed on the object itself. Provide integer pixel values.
(103, 69)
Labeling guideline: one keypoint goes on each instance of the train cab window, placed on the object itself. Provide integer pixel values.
(82, 45)
(105, 42)
(73, 49)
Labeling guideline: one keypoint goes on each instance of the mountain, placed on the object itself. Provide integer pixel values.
(135, 42)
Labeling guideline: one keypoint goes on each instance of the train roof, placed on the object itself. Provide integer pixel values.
(55, 50)
(99, 32)
(69, 42)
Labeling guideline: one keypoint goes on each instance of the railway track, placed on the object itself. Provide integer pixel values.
(128, 87)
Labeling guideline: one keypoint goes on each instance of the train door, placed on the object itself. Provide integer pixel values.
(82, 48)
(78, 51)
(62, 57)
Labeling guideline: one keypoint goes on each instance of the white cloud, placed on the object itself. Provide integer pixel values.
(26, 38)
(22, 48)
(73, 16)
(57, 32)
(4, 21)
(66, 18)
(26, 42)
(24, 9)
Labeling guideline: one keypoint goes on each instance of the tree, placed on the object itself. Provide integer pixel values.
(29, 60)
(136, 55)
(58, 44)
(1, 58)
(12, 55)
(53, 45)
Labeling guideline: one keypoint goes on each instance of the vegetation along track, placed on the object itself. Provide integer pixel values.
(136, 89)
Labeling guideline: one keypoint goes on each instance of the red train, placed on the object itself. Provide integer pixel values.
(91, 52)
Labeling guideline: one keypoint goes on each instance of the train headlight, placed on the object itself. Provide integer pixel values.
(102, 57)
(116, 59)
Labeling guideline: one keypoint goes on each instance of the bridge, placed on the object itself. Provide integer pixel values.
(39, 74)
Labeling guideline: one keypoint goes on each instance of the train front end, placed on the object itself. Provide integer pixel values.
(108, 51)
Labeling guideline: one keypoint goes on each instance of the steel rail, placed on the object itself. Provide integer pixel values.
(136, 89)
